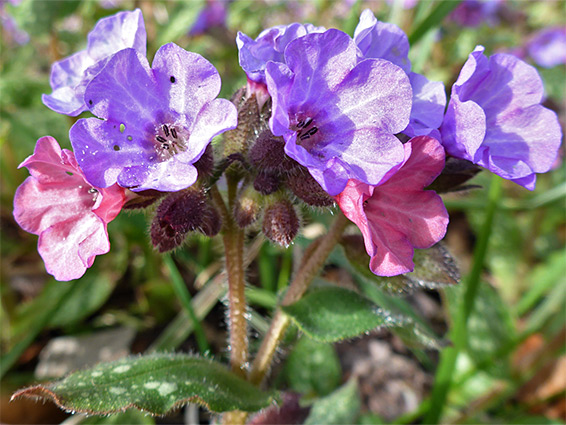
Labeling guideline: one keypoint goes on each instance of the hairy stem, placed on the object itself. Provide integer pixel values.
(233, 238)
(307, 272)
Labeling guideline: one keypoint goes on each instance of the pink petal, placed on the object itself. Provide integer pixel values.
(68, 214)
(69, 248)
(398, 215)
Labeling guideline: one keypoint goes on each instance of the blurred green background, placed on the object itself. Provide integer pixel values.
(514, 370)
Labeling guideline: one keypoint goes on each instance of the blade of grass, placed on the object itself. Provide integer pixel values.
(261, 297)
(285, 270)
(552, 305)
(266, 267)
(433, 20)
(181, 327)
(10, 358)
(445, 371)
(546, 197)
(185, 297)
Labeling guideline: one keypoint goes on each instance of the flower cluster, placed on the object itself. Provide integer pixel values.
(325, 118)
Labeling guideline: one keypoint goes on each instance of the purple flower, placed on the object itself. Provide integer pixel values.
(380, 40)
(157, 121)
(10, 29)
(472, 13)
(495, 119)
(337, 112)
(268, 46)
(70, 76)
(429, 102)
(212, 15)
(548, 47)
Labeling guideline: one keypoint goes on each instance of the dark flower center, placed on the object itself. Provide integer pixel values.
(169, 141)
(306, 130)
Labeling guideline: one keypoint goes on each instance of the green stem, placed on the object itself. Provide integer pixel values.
(185, 297)
(297, 288)
(445, 371)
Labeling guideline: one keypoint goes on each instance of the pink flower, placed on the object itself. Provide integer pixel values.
(68, 213)
(397, 215)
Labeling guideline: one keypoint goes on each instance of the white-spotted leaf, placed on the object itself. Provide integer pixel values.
(155, 384)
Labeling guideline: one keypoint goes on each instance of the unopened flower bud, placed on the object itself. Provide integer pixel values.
(179, 213)
(305, 187)
(268, 153)
(239, 139)
(280, 222)
(205, 165)
(247, 207)
(266, 182)
(211, 221)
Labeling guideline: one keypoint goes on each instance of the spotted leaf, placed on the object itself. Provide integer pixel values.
(155, 384)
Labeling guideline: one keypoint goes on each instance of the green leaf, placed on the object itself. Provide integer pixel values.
(128, 417)
(155, 383)
(313, 367)
(340, 407)
(434, 268)
(332, 314)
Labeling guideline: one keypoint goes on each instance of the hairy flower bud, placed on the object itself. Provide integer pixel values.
(266, 182)
(179, 213)
(211, 221)
(268, 153)
(247, 207)
(305, 187)
(205, 165)
(239, 139)
(280, 222)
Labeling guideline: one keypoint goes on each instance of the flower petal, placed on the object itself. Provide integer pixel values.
(187, 79)
(125, 90)
(120, 31)
(378, 39)
(398, 215)
(68, 248)
(102, 150)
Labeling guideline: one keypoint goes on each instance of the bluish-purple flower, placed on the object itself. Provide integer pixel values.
(70, 76)
(268, 46)
(472, 13)
(337, 112)
(548, 47)
(495, 119)
(157, 122)
(212, 15)
(380, 40)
